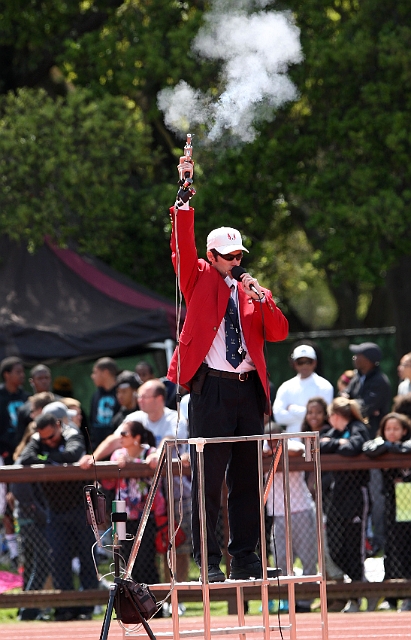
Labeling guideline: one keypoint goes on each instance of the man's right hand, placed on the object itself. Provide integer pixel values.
(86, 461)
(185, 168)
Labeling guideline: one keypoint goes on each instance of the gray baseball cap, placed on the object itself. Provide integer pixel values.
(58, 410)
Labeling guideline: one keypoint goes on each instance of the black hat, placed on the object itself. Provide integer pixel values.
(127, 379)
(369, 350)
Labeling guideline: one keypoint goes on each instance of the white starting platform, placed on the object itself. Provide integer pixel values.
(279, 444)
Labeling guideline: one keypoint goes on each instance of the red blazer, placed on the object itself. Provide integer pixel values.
(206, 295)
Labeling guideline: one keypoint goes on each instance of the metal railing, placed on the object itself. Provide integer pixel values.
(396, 587)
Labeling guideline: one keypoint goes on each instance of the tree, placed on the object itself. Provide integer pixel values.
(351, 190)
(329, 174)
(57, 166)
(84, 155)
(336, 164)
(34, 33)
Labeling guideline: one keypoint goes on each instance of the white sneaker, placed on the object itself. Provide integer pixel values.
(351, 607)
(75, 565)
(168, 609)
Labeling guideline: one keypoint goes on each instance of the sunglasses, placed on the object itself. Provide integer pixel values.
(230, 256)
(124, 434)
(302, 361)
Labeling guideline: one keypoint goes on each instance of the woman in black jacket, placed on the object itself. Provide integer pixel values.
(394, 435)
(349, 500)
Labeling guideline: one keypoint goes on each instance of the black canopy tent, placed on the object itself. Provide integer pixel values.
(57, 305)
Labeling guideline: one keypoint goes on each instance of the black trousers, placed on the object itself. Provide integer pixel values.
(346, 536)
(227, 408)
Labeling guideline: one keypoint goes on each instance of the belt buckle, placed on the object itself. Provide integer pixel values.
(243, 376)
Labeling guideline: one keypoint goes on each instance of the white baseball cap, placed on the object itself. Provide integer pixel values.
(225, 240)
(304, 351)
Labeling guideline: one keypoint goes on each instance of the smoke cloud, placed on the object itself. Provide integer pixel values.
(256, 50)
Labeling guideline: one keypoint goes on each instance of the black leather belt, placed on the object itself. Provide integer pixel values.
(242, 377)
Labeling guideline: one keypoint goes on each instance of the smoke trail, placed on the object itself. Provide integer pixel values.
(256, 50)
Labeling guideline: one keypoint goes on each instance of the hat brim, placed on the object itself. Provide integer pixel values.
(371, 353)
(230, 248)
(355, 348)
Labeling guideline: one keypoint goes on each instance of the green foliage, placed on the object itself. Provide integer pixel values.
(144, 47)
(287, 266)
(94, 167)
(66, 167)
(336, 165)
(33, 34)
(323, 194)
(346, 143)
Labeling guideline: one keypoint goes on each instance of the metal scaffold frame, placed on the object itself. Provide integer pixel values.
(311, 442)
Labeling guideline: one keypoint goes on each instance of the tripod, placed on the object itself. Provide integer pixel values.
(113, 590)
(114, 593)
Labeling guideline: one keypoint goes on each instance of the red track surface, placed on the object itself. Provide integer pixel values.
(354, 626)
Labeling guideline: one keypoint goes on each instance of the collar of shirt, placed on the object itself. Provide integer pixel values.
(230, 282)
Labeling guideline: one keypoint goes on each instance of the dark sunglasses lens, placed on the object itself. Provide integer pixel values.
(230, 257)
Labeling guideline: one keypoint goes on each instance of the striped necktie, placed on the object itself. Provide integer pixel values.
(232, 334)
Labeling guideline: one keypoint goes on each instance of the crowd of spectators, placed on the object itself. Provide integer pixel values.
(44, 524)
(365, 513)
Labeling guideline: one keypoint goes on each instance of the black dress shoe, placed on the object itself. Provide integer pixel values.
(215, 574)
(245, 571)
(64, 616)
(85, 616)
(28, 614)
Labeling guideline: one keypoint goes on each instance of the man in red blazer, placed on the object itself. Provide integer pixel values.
(228, 396)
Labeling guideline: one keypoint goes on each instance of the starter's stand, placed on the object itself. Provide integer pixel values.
(311, 441)
(269, 578)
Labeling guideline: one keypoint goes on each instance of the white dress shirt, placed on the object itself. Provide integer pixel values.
(216, 357)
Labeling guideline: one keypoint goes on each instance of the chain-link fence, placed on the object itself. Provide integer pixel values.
(55, 542)
(57, 549)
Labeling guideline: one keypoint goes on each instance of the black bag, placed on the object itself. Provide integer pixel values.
(133, 601)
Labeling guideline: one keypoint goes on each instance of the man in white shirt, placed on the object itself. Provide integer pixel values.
(154, 416)
(290, 404)
(404, 373)
(289, 409)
